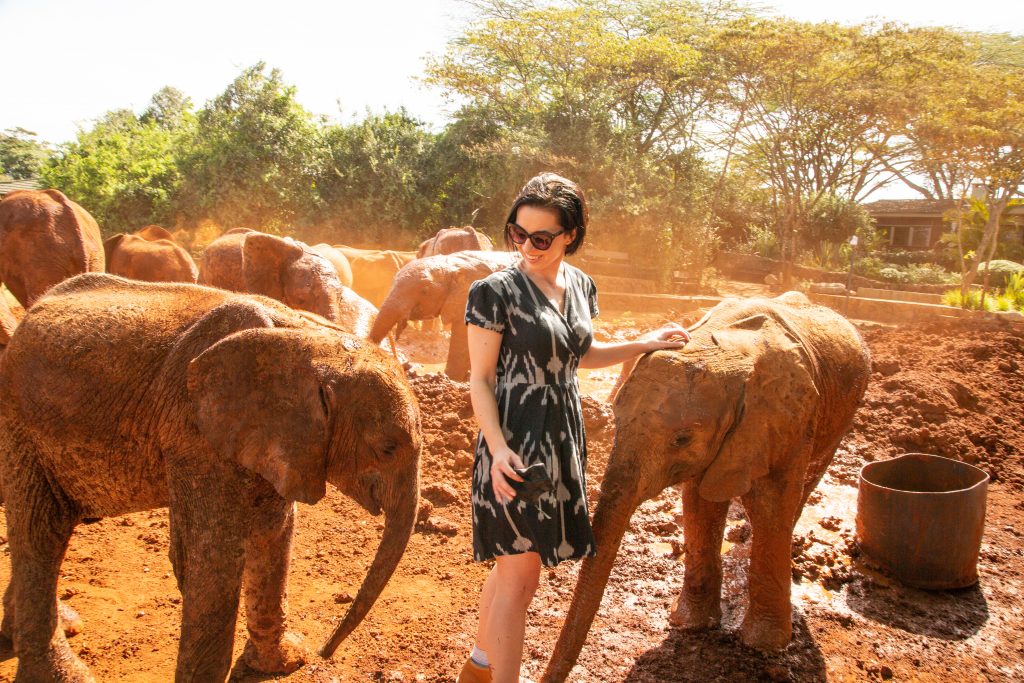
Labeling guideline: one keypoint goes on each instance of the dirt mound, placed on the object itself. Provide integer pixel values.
(943, 388)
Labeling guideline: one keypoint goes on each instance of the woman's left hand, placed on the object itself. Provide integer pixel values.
(670, 336)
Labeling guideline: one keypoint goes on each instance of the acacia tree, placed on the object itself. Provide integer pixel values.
(610, 93)
(965, 128)
(804, 111)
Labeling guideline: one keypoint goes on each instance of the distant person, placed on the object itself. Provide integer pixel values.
(529, 331)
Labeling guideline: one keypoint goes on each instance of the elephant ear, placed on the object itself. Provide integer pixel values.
(263, 260)
(257, 400)
(110, 245)
(774, 409)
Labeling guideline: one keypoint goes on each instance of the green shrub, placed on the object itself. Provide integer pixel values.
(1015, 290)
(999, 271)
(973, 301)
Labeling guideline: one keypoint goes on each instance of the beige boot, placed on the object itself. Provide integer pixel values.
(474, 673)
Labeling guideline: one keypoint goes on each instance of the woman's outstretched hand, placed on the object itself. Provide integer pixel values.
(502, 463)
(670, 336)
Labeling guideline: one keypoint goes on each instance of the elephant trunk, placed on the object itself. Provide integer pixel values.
(392, 313)
(401, 505)
(619, 498)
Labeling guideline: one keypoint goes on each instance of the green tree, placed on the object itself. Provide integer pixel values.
(806, 100)
(611, 94)
(21, 155)
(124, 170)
(252, 161)
(963, 131)
(373, 182)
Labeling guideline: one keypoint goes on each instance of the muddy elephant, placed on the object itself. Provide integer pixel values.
(45, 238)
(338, 260)
(149, 254)
(287, 270)
(451, 240)
(438, 286)
(226, 408)
(373, 270)
(752, 408)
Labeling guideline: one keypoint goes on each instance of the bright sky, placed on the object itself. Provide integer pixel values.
(69, 61)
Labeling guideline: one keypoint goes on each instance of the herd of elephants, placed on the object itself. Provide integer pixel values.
(230, 391)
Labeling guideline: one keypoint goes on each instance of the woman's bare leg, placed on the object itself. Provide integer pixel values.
(513, 582)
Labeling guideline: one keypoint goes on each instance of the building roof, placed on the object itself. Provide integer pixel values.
(7, 185)
(924, 208)
(910, 207)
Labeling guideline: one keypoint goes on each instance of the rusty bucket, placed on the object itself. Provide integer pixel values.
(920, 518)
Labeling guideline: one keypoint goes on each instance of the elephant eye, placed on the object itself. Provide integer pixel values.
(325, 401)
(682, 439)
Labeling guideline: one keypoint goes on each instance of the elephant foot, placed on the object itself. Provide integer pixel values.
(695, 615)
(59, 665)
(69, 619)
(766, 634)
(281, 657)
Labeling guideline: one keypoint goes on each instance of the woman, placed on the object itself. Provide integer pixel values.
(529, 331)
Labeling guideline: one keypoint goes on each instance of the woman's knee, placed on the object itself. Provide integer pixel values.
(519, 574)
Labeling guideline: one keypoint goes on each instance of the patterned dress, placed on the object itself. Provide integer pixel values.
(540, 413)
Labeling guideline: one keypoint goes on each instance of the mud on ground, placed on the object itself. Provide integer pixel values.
(953, 390)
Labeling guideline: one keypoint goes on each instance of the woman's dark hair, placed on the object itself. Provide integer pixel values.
(552, 191)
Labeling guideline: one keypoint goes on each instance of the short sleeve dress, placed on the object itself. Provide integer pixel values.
(540, 412)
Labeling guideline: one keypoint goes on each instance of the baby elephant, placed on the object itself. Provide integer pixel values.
(752, 408)
(118, 396)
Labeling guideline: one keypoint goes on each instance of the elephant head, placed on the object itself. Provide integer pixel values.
(290, 272)
(302, 409)
(453, 239)
(716, 413)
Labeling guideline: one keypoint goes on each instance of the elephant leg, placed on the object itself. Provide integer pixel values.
(457, 365)
(699, 605)
(39, 525)
(773, 507)
(270, 648)
(207, 552)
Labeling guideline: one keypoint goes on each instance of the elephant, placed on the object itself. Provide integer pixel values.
(373, 270)
(752, 408)
(45, 238)
(338, 260)
(244, 260)
(149, 254)
(451, 240)
(438, 286)
(118, 396)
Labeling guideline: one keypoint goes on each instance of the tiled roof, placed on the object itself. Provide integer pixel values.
(7, 185)
(923, 207)
(934, 207)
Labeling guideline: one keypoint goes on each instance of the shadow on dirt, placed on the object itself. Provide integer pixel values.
(718, 655)
(949, 615)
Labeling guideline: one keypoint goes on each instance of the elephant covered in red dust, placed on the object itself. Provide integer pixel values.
(226, 408)
(438, 286)
(752, 408)
(451, 240)
(149, 254)
(285, 269)
(45, 238)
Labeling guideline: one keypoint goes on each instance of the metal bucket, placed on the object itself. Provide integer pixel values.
(920, 517)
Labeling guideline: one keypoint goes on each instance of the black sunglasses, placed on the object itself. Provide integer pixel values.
(540, 240)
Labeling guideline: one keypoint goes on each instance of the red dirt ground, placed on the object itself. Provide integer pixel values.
(943, 388)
